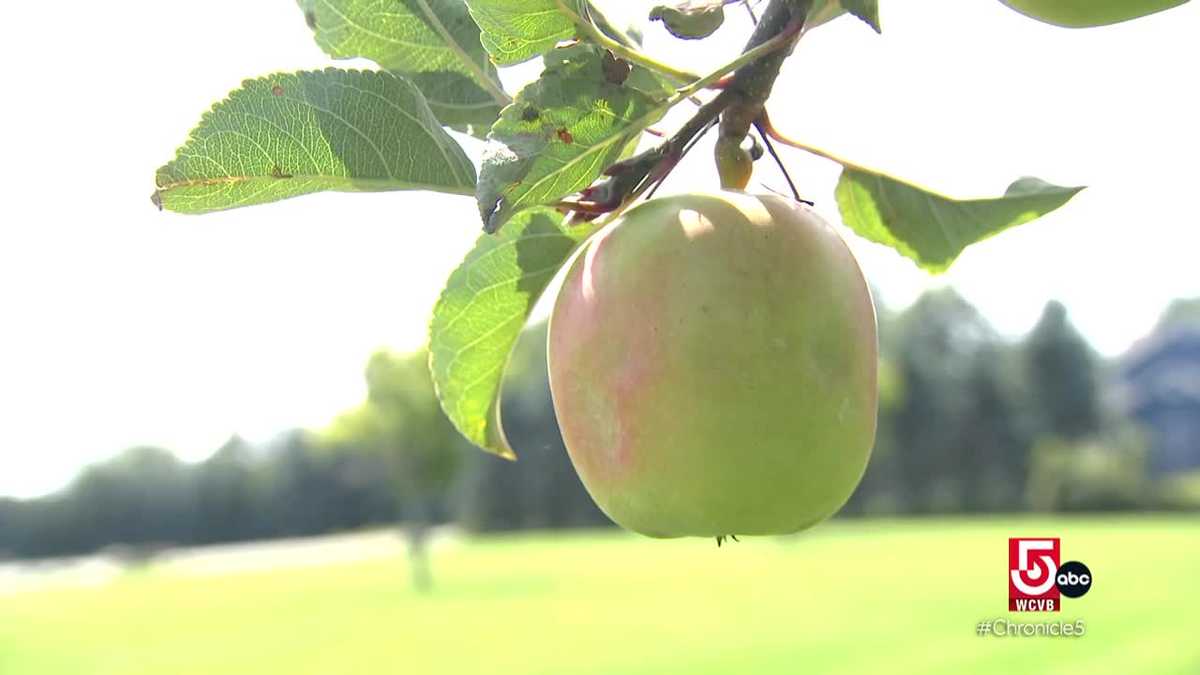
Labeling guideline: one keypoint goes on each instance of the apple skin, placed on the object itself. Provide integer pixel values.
(1089, 13)
(713, 367)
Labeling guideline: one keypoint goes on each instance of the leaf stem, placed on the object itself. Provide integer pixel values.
(765, 126)
(743, 59)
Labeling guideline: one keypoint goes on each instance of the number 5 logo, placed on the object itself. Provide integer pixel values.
(1035, 564)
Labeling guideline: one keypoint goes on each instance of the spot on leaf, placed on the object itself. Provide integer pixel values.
(310, 18)
(565, 136)
(277, 90)
(616, 70)
(529, 114)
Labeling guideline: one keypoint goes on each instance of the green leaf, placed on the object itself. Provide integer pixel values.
(867, 10)
(625, 23)
(1088, 14)
(933, 229)
(480, 315)
(561, 132)
(434, 43)
(518, 30)
(691, 20)
(286, 135)
(824, 11)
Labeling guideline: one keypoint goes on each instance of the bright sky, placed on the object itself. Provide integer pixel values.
(120, 325)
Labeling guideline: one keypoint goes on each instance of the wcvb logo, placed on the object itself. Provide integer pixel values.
(1036, 579)
(1032, 564)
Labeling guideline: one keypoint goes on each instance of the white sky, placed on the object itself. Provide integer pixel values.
(120, 325)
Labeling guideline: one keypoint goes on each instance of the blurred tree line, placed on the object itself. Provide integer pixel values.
(969, 422)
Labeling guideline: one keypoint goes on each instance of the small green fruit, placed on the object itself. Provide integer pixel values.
(734, 163)
(713, 367)
(1089, 13)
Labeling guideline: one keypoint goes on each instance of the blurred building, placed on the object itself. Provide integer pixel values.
(1159, 387)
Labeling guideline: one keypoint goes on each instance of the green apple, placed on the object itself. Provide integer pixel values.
(1089, 13)
(713, 367)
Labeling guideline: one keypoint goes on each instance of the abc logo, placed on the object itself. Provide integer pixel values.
(1074, 579)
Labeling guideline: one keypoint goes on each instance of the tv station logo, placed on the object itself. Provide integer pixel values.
(1037, 581)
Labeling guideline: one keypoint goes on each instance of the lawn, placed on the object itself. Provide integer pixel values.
(848, 597)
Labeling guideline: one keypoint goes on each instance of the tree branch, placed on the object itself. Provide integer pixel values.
(752, 83)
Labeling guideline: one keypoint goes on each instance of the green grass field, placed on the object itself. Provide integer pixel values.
(847, 597)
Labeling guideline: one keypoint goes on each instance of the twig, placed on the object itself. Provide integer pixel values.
(686, 149)
(753, 84)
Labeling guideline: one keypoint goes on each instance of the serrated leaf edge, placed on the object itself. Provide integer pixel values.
(161, 187)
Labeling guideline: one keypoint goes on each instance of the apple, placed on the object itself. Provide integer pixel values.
(713, 365)
(1089, 13)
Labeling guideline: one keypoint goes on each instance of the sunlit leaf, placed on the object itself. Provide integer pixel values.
(518, 30)
(480, 315)
(933, 229)
(434, 43)
(561, 132)
(291, 134)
